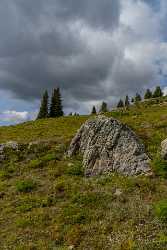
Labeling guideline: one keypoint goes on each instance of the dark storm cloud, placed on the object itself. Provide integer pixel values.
(76, 44)
(39, 47)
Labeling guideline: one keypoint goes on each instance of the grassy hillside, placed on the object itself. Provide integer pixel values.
(46, 203)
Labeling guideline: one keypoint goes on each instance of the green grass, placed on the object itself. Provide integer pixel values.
(25, 186)
(46, 202)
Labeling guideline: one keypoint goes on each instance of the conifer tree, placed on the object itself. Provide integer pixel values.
(132, 100)
(158, 92)
(104, 108)
(56, 109)
(120, 104)
(59, 104)
(43, 112)
(127, 101)
(148, 94)
(52, 112)
(94, 111)
(138, 97)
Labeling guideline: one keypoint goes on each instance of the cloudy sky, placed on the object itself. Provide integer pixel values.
(93, 50)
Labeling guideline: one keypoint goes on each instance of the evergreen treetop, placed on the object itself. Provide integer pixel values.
(43, 112)
(127, 101)
(104, 108)
(132, 100)
(94, 111)
(158, 92)
(138, 97)
(148, 94)
(120, 104)
(56, 109)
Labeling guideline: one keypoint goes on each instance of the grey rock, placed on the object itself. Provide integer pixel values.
(164, 149)
(108, 146)
(10, 144)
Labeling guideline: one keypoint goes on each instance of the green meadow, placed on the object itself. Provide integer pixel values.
(46, 203)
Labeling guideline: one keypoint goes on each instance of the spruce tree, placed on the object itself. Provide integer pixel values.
(94, 111)
(59, 103)
(104, 108)
(138, 97)
(43, 112)
(120, 104)
(158, 92)
(132, 100)
(52, 112)
(56, 109)
(148, 94)
(127, 101)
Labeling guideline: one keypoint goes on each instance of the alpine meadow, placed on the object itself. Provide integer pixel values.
(83, 125)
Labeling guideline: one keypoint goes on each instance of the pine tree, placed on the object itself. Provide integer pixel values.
(52, 112)
(94, 111)
(43, 112)
(59, 107)
(158, 92)
(120, 104)
(138, 97)
(56, 109)
(127, 101)
(148, 94)
(104, 108)
(132, 100)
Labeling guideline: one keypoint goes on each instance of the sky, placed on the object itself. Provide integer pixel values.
(93, 50)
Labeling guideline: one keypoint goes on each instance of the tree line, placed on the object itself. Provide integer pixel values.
(126, 103)
(52, 110)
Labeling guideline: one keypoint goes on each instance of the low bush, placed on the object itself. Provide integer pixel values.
(25, 186)
(161, 210)
(75, 169)
(160, 167)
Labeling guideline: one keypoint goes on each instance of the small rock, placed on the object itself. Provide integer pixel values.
(71, 247)
(10, 144)
(164, 149)
(70, 164)
(118, 192)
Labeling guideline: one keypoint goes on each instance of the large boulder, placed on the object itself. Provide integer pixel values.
(107, 146)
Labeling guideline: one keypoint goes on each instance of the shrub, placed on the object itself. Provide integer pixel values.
(161, 210)
(73, 214)
(75, 169)
(25, 186)
(23, 222)
(4, 174)
(37, 163)
(160, 167)
(49, 157)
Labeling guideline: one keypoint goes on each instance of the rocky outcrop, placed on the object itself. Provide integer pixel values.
(164, 149)
(13, 150)
(107, 146)
(11, 145)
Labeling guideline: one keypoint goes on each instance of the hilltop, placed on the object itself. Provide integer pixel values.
(47, 203)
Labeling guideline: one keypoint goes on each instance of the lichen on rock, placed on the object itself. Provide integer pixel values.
(108, 146)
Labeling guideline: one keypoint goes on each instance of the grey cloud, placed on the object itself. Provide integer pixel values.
(73, 44)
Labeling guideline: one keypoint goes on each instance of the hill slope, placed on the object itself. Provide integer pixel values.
(46, 203)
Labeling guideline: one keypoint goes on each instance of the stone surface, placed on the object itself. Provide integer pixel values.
(27, 151)
(164, 149)
(107, 146)
(3, 146)
(11, 144)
